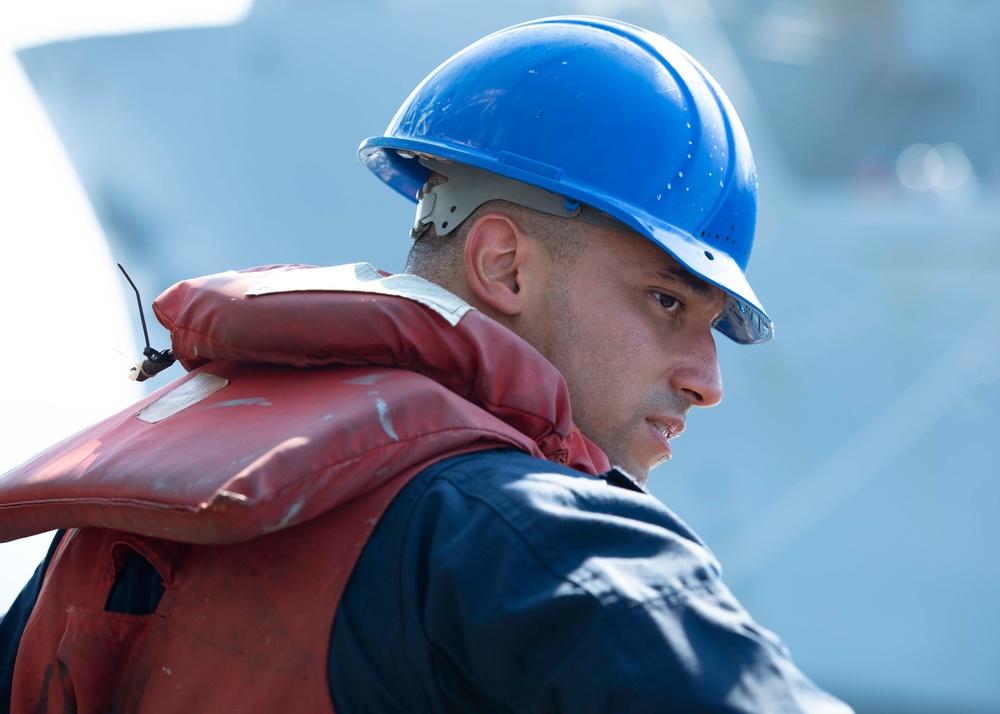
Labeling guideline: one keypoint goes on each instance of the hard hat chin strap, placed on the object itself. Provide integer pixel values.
(447, 204)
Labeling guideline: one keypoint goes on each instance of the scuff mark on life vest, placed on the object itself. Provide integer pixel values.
(385, 419)
(248, 401)
(292, 511)
(367, 378)
(232, 496)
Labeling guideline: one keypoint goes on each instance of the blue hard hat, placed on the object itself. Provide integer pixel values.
(602, 113)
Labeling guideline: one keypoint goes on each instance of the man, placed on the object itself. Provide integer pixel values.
(370, 494)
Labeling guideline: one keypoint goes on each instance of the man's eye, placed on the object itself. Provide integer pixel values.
(668, 302)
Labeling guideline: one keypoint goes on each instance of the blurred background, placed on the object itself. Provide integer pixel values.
(848, 483)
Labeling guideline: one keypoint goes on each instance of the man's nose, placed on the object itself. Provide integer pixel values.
(698, 377)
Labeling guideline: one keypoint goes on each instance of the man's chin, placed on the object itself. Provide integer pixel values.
(632, 464)
(638, 474)
(641, 478)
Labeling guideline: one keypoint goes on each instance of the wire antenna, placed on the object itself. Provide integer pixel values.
(156, 361)
(138, 301)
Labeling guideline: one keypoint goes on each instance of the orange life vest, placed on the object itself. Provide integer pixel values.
(252, 485)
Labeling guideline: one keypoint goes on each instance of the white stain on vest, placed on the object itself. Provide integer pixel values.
(367, 378)
(245, 402)
(385, 419)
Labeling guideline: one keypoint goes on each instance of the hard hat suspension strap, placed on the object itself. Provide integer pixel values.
(447, 204)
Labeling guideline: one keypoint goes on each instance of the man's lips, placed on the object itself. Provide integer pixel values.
(669, 427)
(666, 428)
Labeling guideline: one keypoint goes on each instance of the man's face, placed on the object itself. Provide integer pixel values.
(631, 331)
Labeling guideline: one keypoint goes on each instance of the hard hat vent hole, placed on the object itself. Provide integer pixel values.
(444, 225)
(709, 255)
(454, 208)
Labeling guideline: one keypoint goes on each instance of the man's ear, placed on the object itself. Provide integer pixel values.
(496, 251)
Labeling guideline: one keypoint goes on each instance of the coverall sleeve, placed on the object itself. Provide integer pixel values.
(531, 589)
